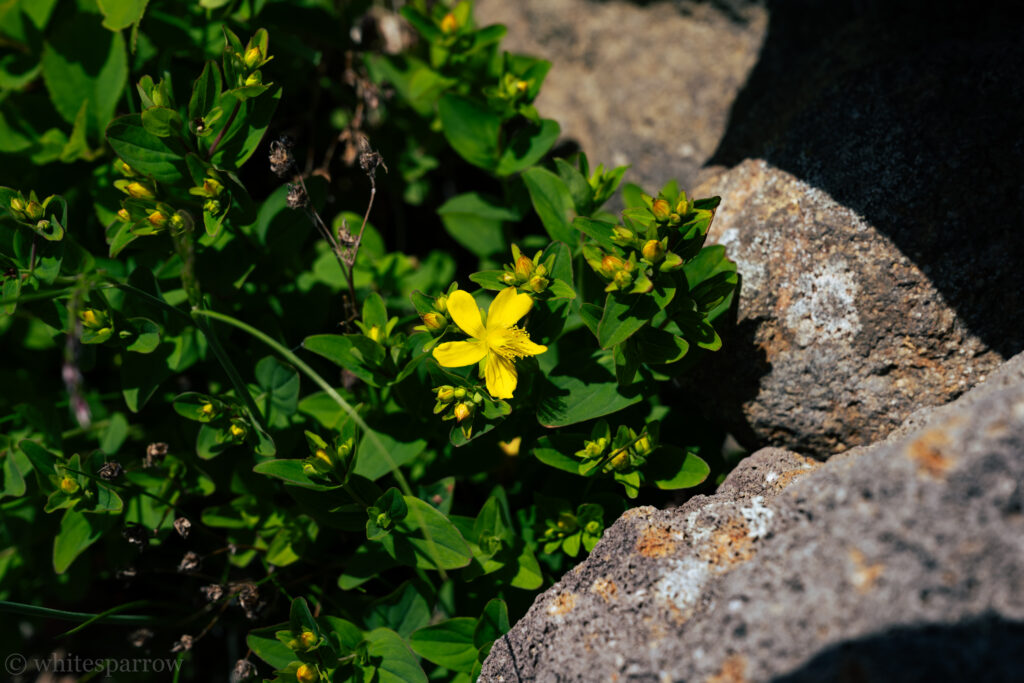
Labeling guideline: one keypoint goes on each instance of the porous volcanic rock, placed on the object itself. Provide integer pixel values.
(903, 560)
(647, 84)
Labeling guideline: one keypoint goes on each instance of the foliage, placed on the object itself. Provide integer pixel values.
(360, 465)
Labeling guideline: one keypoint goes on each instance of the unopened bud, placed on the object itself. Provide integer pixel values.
(434, 321)
(322, 461)
(139, 191)
(18, 206)
(207, 409)
(683, 207)
(449, 24)
(68, 485)
(92, 319)
(307, 639)
(211, 206)
(124, 169)
(253, 79)
(157, 219)
(34, 211)
(441, 303)
(653, 251)
(538, 284)
(524, 266)
(461, 411)
(212, 187)
(620, 460)
(592, 527)
(460, 392)
(124, 215)
(307, 673)
(508, 277)
(611, 263)
(521, 86)
(237, 430)
(375, 333)
(643, 445)
(661, 209)
(621, 234)
(541, 270)
(445, 393)
(253, 56)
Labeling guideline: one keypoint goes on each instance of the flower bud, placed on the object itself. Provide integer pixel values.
(208, 409)
(441, 303)
(434, 321)
(460, 392)
(449, 24)
(611, 263)
(124, 215)
(18, 206)
(211, 187)
(139, 191)
(253, 79)
(508, 277)
(620, 460)
(93, 319)
(683, 207)
(622, 278)
(642, 445)
(445, 393)
(661, 209)
(375, 333)
(524, 266)
(592, 527)
(538, 284)
(253, 56)
(123, 168)
(622, 234)
(34, 211)
(237, 430)
(307, 639)
(177, 222)
(541, 270)
(307, 673)
(462, 411)
(521, 86)
(68, 485)
(322, 461)
(157, 219)
(211, 206)
(653, 251)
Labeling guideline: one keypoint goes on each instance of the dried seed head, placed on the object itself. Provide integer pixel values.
(243, 671)
(155, 453)
(136, 534)
(369, 160)
(139, 637)
(297, 197)
(127, 573)
(189, 563)
(183, 645)
(111, 470)
(249, 599)
(183, 526)
(281, 159)
(213, 592)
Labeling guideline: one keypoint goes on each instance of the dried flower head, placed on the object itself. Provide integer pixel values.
(213, 592)
(281, 158)
(243, 671)
(136, 534)
(297, 197)
(127, 573)
(111, 470)
(183, 645)
(189, 563)
(140, 637)
(183, 526)
(249, 599)
(369, 159)
(155, 453)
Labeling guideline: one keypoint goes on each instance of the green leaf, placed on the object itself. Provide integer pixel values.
(147, 335)
(427, 539)
(527, 147)
(280, 384)
(115, 434)
(290, 471)
(673, 468)
(567, 399)
(267, 647)
(141, 374)
(120, 14)
(77, 532)
(624, 315)
(659, 347)
(552, 202)
(341, 350)
(398, 664)
(555, 450)
(578, 187)
(471, 129)
(373, 465)
(244, 136)
(448, 644)
(404, 610)
(144, 151)
(205, 91)
(162, 122)
(76, 69)
(493, 623)
(474, 220)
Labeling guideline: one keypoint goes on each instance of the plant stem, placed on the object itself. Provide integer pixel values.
(231, 119)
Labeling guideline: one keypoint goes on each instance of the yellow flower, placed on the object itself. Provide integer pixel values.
(500, 342)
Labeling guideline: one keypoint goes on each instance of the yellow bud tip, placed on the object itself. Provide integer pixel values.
(434, 321)
(68, 485)
(661, 209)
(212, 188)
(34, 210)
(511, 448)
(508, 278)
(611, 263)
(237, 431)
(653, 251)
(157, 219)
(253, 57)
(207, 409)
(322, 457)
(375, 333)
(445, 393)
(18, 205)
(124, 215)
(253, 79)
(449, 24)
(461, 412)
(139, 191)
(521, 86)
(90, 318)
(307, 639)
(441, 304)
(524, 266)
(307, 674)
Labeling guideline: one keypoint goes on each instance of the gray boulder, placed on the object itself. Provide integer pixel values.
(903, 560)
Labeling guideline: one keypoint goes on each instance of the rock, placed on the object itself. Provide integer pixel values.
(903, 560)
(840, 335)
(645, 85)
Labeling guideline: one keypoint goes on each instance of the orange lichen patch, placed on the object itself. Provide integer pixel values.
(927, 453)
(730, 543)
(865, 575)
(605, 588)
(786, 478)
(734, 670)
(562, 604)
(655, 542)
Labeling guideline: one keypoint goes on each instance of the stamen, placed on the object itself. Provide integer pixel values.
(509, 344)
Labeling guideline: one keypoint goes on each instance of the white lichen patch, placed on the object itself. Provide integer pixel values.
(683, 582)
(823, 305)
(758, 517)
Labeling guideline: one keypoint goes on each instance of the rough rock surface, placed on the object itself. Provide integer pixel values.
(903, 561)
(643, 84)
(840, 335)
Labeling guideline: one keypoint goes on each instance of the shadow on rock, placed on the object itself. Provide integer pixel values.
(981, 649)
(909, 113)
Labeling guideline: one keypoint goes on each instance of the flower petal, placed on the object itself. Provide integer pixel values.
(522, 346)
(501, 376)
(507, 308)
(466, 314)
(460, 353)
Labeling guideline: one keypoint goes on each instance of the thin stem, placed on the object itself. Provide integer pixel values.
(36, 611)
(231, 119)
